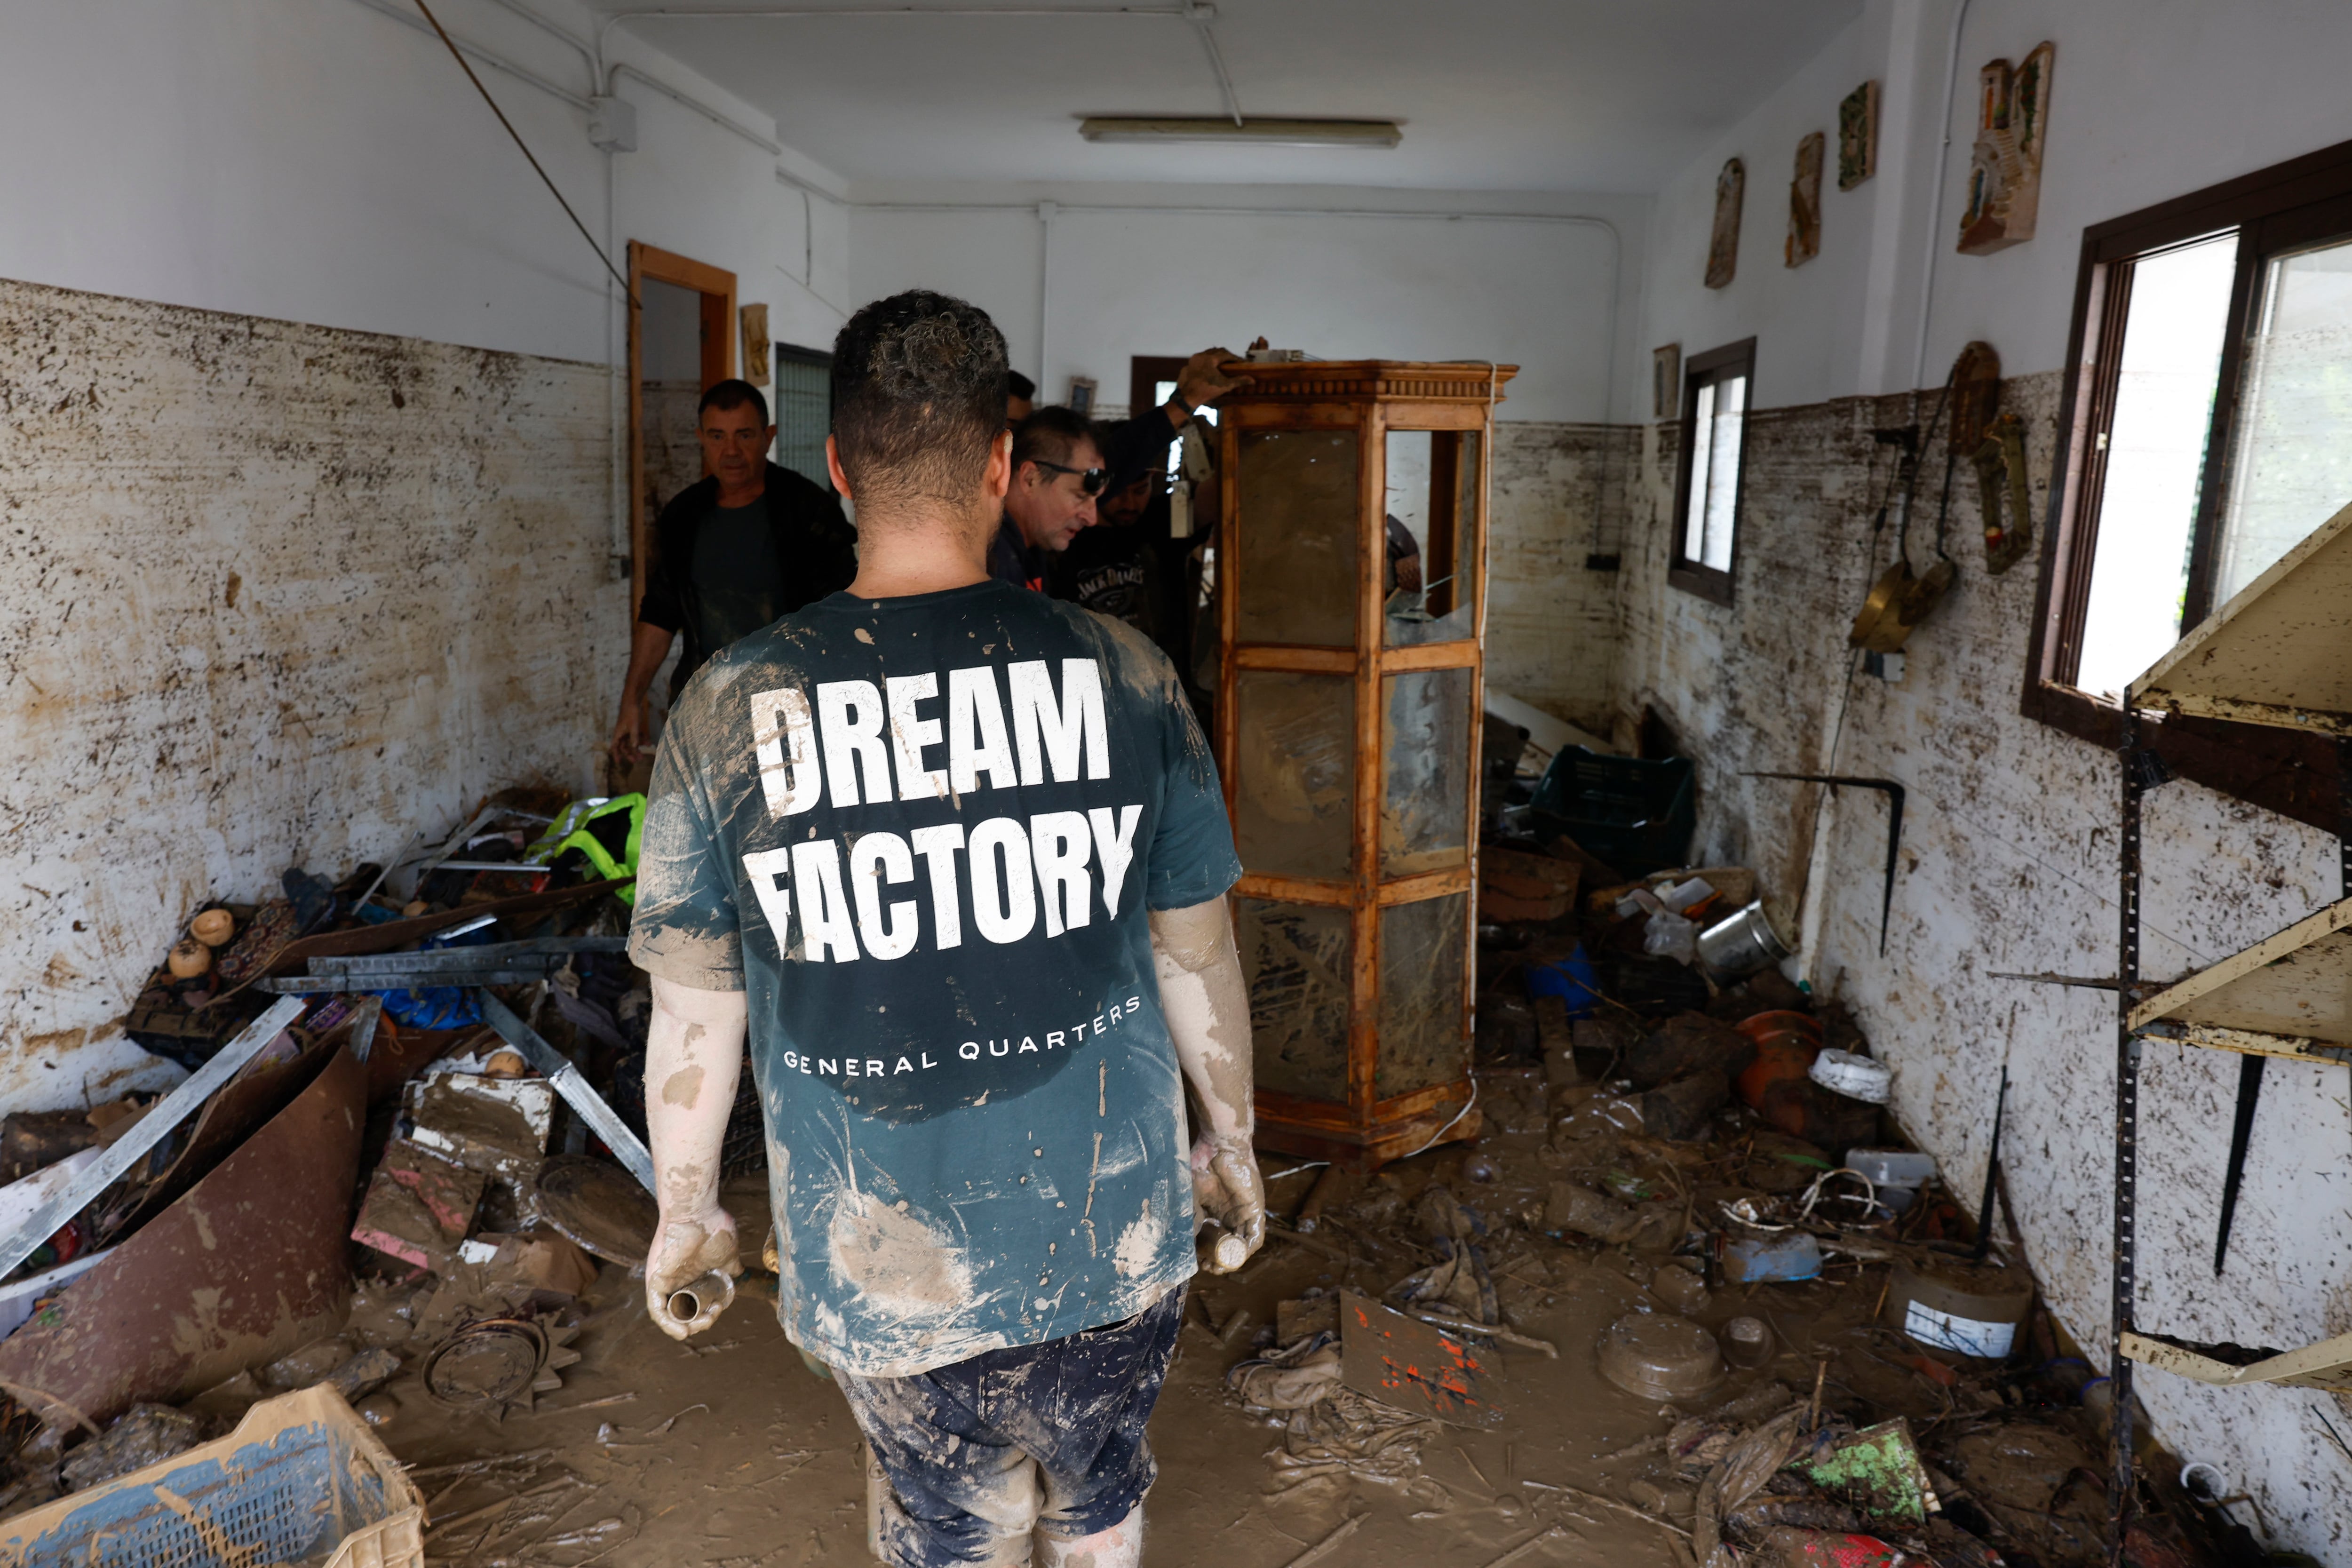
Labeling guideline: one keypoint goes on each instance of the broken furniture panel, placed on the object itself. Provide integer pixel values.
(250, 1264)
(2327, 1364)
(1353, 559)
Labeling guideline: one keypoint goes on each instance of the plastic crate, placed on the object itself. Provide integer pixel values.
(301, 1481)
(1635, 814)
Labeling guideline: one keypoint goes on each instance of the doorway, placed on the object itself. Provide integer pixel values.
(681, 341)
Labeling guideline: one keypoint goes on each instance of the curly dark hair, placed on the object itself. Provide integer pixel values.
(917, 399)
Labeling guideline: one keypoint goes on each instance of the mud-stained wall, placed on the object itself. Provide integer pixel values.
(1551, 621)
(2009, 863)
(270, 594)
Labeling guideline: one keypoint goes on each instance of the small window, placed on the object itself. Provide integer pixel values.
(1714, 403)
(803, 410)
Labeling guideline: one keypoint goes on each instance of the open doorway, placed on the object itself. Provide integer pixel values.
(681, 340)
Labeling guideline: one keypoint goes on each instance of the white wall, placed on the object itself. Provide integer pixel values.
(427, 605)
(2009, 849)
(1546, 295)
(322, 162)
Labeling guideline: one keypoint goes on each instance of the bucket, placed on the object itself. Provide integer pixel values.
(1661, 1357)
(1572, 979)
(1971, 1309)
(1741, 944)
(1786, 1045)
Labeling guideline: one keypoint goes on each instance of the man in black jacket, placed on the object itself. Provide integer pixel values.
(741, 548)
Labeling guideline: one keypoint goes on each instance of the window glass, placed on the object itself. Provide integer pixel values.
(1294, 793)
(2294, 465)
(804, 411)
(1425, 957)
(1702, 450)
(1723, 470)
(1297, 958)
(1425, 788)
(2178, 311)
(1715, 429)
(1297, 526)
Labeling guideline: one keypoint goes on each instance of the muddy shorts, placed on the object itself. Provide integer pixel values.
(1051, 1432)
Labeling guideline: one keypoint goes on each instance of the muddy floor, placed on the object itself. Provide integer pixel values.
(731, 1451)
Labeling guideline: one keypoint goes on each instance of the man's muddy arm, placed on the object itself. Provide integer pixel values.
(694, 1052)
(1206, 1003)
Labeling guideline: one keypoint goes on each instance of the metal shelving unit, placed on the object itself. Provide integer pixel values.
(2278, 655)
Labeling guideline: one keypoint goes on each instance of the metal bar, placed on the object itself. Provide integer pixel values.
(583, 1099)
(1894, 792)
(133, 1145)
(486, 955)
(398, 980)
(2126, 1189)
(1992, 1172)
(2241, 1131)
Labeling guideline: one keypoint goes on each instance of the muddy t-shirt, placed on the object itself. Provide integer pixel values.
(921, 835)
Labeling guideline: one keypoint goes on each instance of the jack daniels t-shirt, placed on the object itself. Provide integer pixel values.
(921, 835)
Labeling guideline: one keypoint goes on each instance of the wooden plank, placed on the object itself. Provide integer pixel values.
(1372, 715)
(1428, 415)
(1295, 889)
(1429, 884)
(2296, 983)
(1321, 415)
(1461, 655)
(2274, 655)
(1294, 657)
(2327, 1364)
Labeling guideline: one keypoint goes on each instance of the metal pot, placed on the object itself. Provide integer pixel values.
(1742, 943)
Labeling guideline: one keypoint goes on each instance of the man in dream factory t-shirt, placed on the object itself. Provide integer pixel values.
(957, 855)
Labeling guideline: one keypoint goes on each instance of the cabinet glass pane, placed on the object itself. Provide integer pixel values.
(1297, 529)
(1422, 957)
(1425, 789)
(1431, 582)
(1298, 961)
(1295, 787)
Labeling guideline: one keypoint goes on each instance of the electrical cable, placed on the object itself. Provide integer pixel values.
(458, 55)
(1441, 1132)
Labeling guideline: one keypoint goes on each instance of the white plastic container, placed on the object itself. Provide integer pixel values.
(1865, 1078)
(1905, 1168)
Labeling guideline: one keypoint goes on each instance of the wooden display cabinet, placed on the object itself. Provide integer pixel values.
(1348, 721)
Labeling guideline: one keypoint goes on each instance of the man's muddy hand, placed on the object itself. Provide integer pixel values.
(685, 1250)
(1227, 1183)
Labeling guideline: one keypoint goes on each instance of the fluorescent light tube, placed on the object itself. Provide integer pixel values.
(1262, 132)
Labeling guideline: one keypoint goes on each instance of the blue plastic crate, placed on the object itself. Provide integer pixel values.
(301, 1481)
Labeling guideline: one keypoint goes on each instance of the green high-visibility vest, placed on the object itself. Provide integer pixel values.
(573, 829)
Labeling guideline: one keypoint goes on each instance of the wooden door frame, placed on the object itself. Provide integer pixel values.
(717, 288)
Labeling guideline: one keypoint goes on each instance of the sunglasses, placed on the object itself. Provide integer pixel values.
(1090, 480)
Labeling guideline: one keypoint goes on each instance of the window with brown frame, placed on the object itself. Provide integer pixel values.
(1714, 403)
(2203, 432)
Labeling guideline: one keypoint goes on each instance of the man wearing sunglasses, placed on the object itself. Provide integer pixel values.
(1057, 472)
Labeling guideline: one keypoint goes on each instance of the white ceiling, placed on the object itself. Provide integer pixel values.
(1522, 95)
